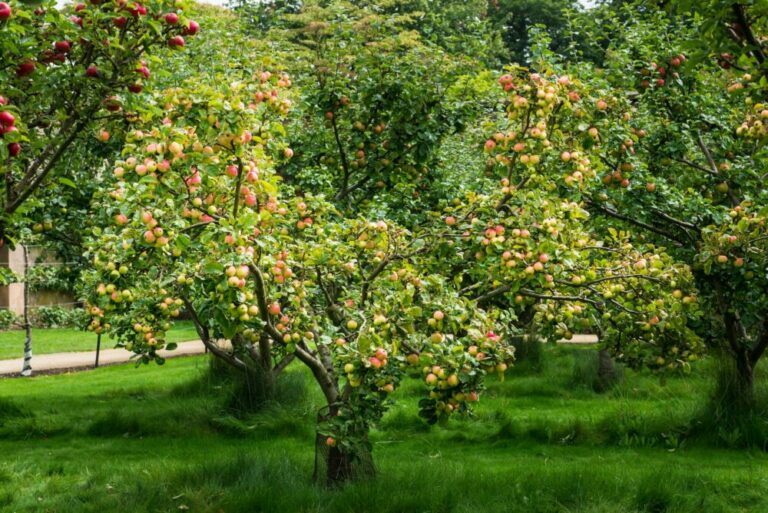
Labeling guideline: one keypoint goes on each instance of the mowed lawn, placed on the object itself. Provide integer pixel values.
(163, 439)
(60, 340)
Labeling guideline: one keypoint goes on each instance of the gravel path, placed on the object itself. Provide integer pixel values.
(56, 362)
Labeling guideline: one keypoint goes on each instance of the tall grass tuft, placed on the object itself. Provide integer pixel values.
(596, 370)
(732, 417)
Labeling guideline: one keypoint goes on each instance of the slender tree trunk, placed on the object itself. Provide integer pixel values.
(606, 369)
(335, 465)
(745, 374)
(27, 369)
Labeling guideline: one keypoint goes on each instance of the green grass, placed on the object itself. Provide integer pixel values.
(161, 439)
(60, 340)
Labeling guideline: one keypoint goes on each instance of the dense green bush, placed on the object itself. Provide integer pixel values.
(7, 319)
(59, 317)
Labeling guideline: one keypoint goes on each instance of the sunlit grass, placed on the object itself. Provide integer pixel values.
(152, 439)
(60, 340)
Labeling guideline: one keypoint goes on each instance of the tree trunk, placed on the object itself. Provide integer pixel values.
(335, 465)
(606, 369)
(26, 370)
(744, 387)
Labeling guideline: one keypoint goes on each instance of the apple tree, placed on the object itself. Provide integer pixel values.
(376, 105)
(198, 221)
(689, 173)
(62, 71)
(530, 247)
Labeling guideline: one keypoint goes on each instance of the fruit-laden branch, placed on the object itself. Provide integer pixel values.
(617, 215)
(204, 335)
(32, 178)
(713, 165)
(503, 289)
(261, 298)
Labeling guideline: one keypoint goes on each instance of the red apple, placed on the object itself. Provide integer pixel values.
(176, 41)
(14, 149)
(192, 28)
(5, 11)
(25, 68)
(62, 46)
(92, 71)
(120, 21)
(171, 18)
(135, 88)
(7, 119)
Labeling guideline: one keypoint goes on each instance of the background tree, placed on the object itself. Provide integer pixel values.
(61, 72)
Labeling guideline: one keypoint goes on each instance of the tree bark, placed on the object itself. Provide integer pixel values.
(606, 369)
(336, 466)
(26, 370)
(745, 372)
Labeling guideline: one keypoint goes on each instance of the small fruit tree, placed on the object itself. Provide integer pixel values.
(374, 111)
(687, 169)
(64, 70)
(198, 221)
(531, 248)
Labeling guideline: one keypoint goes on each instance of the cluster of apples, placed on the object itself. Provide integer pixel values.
(655, 75)
(8, 125)
(755, 124)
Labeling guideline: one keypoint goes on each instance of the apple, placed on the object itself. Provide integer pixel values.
(431, 379)
(274, 309)
(171, 18)
(5, 11)
(7, 119)
(438, 315)
(92, 71)
(453, 380)
(25, 68)
(738, 262)
(330, 442)
(375, 362)
(3, 100)
(120, 21)
(352, 324)
(650, 187)
(176, 42)
(104, 136)
(14, 149)
(192, 28)
(450, 220)
(721, 259)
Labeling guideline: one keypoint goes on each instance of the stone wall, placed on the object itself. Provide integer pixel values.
(12, 296)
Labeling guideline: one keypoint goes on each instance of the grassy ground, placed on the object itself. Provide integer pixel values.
(151, 439)
(60, 340)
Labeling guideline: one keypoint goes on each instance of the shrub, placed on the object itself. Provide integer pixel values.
(58, 317)
(7, 319)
